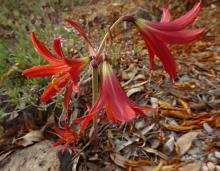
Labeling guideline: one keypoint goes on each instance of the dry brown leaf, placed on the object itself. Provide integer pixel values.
(134, 90)
(191, 167)
(158, 168)
(30, 138)
(169, 145)
(185, 106)
(184, 86)
(175, 114)
(156, 152)
(165, 104)
(126, 163)
(184, 143)
(178, 128)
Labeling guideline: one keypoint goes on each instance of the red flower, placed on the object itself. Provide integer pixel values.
(64, 71)
(117, 105)
(157, 34)
(67, 137)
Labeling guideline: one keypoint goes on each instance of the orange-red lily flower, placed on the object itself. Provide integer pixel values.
(157, 34)
(64, 71)
(117, 105)
(67, 137)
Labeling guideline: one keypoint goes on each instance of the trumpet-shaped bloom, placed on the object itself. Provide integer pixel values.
(157, 34)
(64, 71)
(67, 137)
(117, 105)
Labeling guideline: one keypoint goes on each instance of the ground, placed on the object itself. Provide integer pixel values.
(184, 134)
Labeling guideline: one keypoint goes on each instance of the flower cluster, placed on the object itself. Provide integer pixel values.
(65, 71)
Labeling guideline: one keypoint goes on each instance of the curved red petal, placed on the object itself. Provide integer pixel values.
(162, 53)
(45, 70)
(57, 47)
(61, 132)
(52, 88)
(117, 103)
(179, 23)
(48, 93)
(179, 37)
(150, 51)
(59, 142)
(96, 108)
(41, 49)
(166, 17)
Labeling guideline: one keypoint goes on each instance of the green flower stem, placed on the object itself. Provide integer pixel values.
(95, 78)
(95, 82)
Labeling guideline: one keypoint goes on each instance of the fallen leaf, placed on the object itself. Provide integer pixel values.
(191, 166)
(178, 128)
(185, 106)
(185, 85)
(30, 138)
(156, 152)
(126, 163)
(122, 144)
(184, 143)
(175, 114)
(134, 90)
(147, 129)
(169, 145)
(165, 104)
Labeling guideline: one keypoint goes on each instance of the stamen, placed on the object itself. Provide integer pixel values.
(54, 80)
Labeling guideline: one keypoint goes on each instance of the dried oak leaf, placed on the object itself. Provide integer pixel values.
(184, 143)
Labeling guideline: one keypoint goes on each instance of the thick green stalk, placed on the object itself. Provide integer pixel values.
(95, 82)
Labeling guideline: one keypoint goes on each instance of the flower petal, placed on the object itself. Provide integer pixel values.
(96, 108)
(117, 103)
(179, 23)
(150, 51)
(45, 70)
(166, 17)
(180, 37)
(59, 142)
(41, 49)
(57, 47)
(52, 88)
(163, 53)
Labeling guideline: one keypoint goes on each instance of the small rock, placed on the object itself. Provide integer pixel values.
(217, 154)
(213, 160)
(211, 166)
(210, 156)
(217, 168)
(205, 168)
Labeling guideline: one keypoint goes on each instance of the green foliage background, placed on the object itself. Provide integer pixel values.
(18, 18)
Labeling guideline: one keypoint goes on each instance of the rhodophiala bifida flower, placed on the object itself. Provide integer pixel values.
(67, 137)
(113, 99)
(64, 71)
(157, 34)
